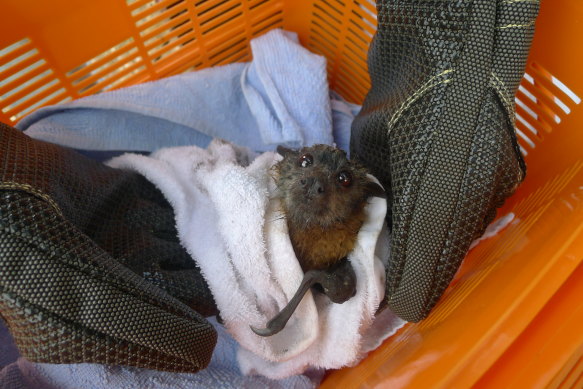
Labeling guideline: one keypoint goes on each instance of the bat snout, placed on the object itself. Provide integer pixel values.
(313, 187)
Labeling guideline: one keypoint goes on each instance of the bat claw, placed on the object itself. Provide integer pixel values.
(264, 331)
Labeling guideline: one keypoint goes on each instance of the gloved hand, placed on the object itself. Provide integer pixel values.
(91, 269)
(437, 129)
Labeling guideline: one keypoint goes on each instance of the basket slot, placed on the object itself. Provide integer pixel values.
(55, 98)
(272, 21)
(523, 89)
(234, 54)
(110, 80)
(109, 75)
(133, 5)
(217, 41)
(543, 100)
(352, 81)
(537, 111)
(162, 31)
(360, 37)
(13, 46)
(365, 18)
(524, 139)
(356, 76)
(207, 14)
(22, 62)
(222, 19)
(527, 126)
(153, 7)
(353, 54)
(554, 103)
(127, 74)
(18, 79)
(27, 80)
(357, 47)
(334, 8)
(153, 20)
(369, 6)
(364, 27)
(264, 12)
(540, 125)
(179, 37)
(235, 46)
(187, 66)
(266, 19)
(34, 99)
(16, 53)
(325, 8)
(566, 90)
(324, 22)
(226, 42)
(33, 84)
(97, 62)
(323, 48)
(544, 78)
(206, 6)
(138, 76)
(352, 67)
(107, 71)
(562, 105)
(325, 36)
(262, 15)
(255, 4)
(348, 91)
(98, 82)
(164, 27)
(179, 61)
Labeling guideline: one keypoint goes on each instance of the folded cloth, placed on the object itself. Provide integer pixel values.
(280, 97)
(228, 219)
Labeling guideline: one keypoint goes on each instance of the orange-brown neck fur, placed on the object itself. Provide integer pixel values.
(319, 248)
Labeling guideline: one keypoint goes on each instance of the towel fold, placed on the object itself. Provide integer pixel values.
(228, 219)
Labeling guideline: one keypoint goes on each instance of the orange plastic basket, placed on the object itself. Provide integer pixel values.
(513, 317)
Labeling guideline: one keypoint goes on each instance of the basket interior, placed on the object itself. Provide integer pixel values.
(51, 52)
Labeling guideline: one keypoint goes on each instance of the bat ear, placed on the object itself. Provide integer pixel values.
(375, 190)
(283, 151)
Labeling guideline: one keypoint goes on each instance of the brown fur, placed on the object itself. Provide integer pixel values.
(323, 216)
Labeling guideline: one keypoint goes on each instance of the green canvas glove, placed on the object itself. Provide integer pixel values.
(91, 270)
(437, 129)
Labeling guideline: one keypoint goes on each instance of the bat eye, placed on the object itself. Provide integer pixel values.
(306, 160)
(345, 179)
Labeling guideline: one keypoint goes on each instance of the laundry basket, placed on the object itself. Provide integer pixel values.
(513, 316)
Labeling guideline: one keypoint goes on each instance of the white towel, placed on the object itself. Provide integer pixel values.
(227, 219)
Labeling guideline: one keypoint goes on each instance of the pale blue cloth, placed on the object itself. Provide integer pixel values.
(280, 97)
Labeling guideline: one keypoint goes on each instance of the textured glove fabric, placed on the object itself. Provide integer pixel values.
(437, 129)
(90, 266)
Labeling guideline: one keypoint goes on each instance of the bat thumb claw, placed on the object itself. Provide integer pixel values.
(265, 331)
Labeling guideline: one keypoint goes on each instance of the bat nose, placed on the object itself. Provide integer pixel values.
(314, 186)
(318, 187)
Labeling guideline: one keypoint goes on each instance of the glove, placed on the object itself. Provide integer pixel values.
(91, 270)
(436, 129)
